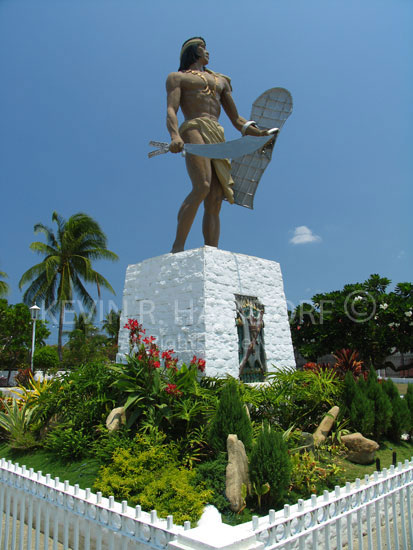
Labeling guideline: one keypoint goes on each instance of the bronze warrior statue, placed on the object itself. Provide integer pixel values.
(200, 93)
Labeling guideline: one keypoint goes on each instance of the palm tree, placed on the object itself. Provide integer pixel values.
(67, 265)
(4, 287)
(111, 324)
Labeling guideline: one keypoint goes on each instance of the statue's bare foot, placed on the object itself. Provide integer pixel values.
(176, 249)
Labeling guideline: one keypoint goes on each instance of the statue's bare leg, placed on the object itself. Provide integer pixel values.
(212, 205)
(200, 172)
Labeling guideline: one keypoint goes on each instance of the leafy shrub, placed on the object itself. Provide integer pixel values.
(311, 475)
(150, 475)
(400, 419)
(300, 398)
(230, 418)
(46, 359)
(82, 397)
(270, 463)
(68, 443)
(16, 420)
(150, 381)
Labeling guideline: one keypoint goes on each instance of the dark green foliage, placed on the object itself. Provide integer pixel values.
(349, 391)
(400, 419)
(46, 359)
(16, 331)
(270, 463)
(409, 400)
(83, 397)
(213, 473)
(362, 412)
(382, 405)
(107, 443)
(291, 397)
(69, 443)
(230, 418)
(361, 317)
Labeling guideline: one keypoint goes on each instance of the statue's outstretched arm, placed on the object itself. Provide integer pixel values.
(237, 120)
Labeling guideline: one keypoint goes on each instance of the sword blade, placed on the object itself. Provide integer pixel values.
(228, 149)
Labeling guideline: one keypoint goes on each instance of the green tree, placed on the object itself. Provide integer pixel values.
(16, 334)
(67, 265)
(4, 287)
(363, 316)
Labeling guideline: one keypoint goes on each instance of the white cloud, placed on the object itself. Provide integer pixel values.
(304, 235)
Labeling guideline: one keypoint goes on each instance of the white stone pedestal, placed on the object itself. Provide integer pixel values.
(187, 301)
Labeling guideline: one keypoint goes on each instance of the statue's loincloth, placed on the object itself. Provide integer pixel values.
(212, 132)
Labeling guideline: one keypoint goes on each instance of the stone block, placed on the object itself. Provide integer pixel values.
(187, 301)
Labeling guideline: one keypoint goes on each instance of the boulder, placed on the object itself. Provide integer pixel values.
(360, 449)
(116, 419)
(324, 428)
(236, 472)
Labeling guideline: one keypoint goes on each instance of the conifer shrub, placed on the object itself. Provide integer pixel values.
(362, 412)
(230, 418)
(409, 400)
(213, 474)
(347, 397)
(382, 405)
(400, 419)
(270, 463)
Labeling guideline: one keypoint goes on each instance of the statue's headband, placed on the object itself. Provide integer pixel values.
(191, 43)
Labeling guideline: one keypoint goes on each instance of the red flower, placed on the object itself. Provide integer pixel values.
(156, 364)
(201, 365)
(171, 389)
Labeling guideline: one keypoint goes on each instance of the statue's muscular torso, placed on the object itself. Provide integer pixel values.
(195, 99)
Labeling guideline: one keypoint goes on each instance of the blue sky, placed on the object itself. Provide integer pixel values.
(83, 91)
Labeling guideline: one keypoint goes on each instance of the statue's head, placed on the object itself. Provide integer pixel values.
(189, 52)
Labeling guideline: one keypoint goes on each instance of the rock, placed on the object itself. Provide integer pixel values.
(116, 419)
(360, 449)
(236, 472)
(324, 428)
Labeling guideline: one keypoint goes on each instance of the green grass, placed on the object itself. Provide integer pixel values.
(83, 472)
(353, 471)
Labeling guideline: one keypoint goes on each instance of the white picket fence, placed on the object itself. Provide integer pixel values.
(41, 513)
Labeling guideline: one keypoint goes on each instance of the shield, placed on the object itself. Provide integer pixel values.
(270, 109)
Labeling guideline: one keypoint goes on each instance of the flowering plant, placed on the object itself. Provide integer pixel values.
(151, 378)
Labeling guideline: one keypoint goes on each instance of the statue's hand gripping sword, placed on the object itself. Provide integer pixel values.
(228, 149)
